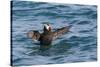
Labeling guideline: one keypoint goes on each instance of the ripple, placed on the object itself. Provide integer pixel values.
(46, 14)
(83, 22)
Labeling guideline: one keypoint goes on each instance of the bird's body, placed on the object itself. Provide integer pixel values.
(46, 38)
(48, 35)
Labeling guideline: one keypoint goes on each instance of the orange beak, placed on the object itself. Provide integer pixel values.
(49, 28)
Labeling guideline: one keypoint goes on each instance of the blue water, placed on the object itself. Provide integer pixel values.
(79, 45)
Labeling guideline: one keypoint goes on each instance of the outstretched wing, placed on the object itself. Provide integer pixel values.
(60, 31)
(35, 35)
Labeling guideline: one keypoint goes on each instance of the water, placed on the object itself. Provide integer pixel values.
(79, 45)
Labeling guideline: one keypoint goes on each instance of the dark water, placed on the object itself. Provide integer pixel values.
(79, 45)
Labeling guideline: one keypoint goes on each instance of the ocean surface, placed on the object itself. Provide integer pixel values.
(78, 45)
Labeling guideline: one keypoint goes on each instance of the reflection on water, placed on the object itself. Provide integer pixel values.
(79, 45)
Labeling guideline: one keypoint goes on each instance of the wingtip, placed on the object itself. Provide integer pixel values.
(30, 34)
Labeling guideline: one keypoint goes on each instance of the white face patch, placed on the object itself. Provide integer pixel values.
(47, 27)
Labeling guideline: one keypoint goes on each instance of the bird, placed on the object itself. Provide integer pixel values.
(48, 35)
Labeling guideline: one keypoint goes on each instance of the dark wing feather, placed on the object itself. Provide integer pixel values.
(60, 31)
(35, 35)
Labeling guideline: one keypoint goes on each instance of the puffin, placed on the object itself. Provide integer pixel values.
(48, 35)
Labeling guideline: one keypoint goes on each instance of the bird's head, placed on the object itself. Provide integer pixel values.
(47, 27)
